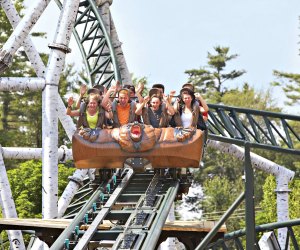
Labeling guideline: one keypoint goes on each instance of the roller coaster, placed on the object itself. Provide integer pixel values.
(125, 203)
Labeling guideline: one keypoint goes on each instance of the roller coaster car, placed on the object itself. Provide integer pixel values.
(162, 147)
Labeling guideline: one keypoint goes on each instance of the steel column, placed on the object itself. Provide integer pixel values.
(249, 195)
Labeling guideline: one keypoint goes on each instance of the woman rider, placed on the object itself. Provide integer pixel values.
(187, 109)
(94, 115)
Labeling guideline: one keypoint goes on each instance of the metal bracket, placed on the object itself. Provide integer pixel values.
(60, 46)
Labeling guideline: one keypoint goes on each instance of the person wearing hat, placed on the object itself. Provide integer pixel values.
(156, 109)
(203, 105)
(123, 110)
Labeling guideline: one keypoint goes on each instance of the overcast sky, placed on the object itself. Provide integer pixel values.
(162, 39)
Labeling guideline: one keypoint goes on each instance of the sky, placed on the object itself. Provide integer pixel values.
(162, 39)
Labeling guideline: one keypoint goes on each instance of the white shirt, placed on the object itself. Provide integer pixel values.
(186, 119)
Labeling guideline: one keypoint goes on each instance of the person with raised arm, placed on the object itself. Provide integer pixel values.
(156, 109)
(93, 116)
(123, 109)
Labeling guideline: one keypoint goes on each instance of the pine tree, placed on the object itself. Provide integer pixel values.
(290, 83)
(210, 79)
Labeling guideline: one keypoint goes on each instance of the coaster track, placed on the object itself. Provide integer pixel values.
(136, 205)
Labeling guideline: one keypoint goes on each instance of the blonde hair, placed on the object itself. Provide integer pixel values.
(125, 91)
(93, 96)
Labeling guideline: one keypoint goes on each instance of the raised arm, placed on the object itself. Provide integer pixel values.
(139, 92)
(106, 99)
(169, 107)
(81, 94)
(69, 111)
(203, 103)
(141, 105)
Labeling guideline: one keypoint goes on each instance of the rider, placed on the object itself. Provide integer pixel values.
(156, 109)
(123, 110)
(92, 116)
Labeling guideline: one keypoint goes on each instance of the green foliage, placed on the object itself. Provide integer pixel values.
(210, 79)
(268, 204)
(143, 80)
(220, 194)
(290, 83)
(221, 165)
(26, 186)
(249, 98)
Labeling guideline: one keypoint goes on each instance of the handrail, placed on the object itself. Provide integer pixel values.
(258, 229)
(271, 129)
(255, 112)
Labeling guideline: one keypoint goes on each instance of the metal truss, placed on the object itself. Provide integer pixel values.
(259, 127)
(95, 45)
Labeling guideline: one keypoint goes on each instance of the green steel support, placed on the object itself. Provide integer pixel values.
(228, 125)
(285, 127)
(237, 235)
(239, 125)
(254, 126)
(249, 195)
(268, 125)
(223, 219)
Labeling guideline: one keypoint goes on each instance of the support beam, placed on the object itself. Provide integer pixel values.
(49, 109)
(64, 153)
(21, 83)
(8, 207)
(30, 50)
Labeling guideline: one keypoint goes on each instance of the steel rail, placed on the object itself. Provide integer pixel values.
(66, 234)
(84, 240)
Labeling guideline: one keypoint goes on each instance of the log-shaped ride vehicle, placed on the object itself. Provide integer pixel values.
(162, 147)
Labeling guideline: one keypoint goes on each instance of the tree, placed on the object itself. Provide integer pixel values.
(26, 186)
(210, 79)
(220, 193)
(290, 83)
(143, 80)
(248, 97)
(15, 107)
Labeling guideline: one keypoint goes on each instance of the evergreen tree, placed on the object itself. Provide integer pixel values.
(210, 79)
(290, 83)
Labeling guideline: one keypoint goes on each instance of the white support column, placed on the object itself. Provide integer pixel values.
(37, 64)
(8, 207)
(20, 33)
(104, 10)
(256, 160)
(282, 174)
(282, 192)
(103, 7)
(49, 108)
